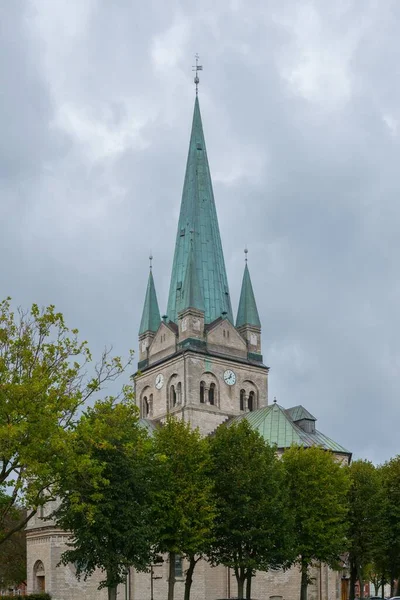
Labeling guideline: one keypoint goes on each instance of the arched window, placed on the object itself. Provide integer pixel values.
(251, 401)
(179, 393)
(242, 399)
(39, 581)
(145, 409)
(150, 405)
(211, 394)
(173, 396)
(202, 392)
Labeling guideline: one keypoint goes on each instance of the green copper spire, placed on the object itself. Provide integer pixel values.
(247, 311)
(151, 313)
(191, 296)
(198, 214)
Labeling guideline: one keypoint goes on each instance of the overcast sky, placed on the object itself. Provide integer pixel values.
(301, 106)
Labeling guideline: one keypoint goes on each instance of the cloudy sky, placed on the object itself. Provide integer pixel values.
(300, 105)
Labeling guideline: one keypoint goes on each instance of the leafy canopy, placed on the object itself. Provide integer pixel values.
(43, 384)
(183, 503)
(253, 525)
(318, 487)
(105, 497)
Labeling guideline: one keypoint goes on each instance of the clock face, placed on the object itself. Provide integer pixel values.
(229, 377)
(159, 381)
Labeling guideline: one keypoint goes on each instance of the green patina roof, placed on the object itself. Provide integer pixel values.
(247, 311)
(191, 296)
(148, 426)
(276, 426)
(198, 215)
(151, 313)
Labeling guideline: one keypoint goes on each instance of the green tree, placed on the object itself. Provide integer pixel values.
(364, 520)
(43, 385)
(13, 552)
(105, 496)
(183, 501)
(318, 488)
(387, 554)
(253, 525)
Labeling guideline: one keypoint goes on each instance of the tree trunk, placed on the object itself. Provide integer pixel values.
(353, 580)
(248, 584)
(392, 586)
(304, 580)
(240, 583)
(361, 582)
(112, 593)
(240, 578)
(189, 577)
(397, 588)
(171, 576)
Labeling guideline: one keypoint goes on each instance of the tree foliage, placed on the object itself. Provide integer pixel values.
(183, 501)
(318, 488)
(105, 496)
(43, 384)
(13, 551)
(387, 551)
(364, 520)
(253, 526)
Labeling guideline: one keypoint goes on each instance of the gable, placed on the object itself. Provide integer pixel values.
(163, 344)
(224, 338)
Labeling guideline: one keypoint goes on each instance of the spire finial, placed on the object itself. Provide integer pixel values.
(274, 399)
(245, 254)
(151, 260)
(197, 68)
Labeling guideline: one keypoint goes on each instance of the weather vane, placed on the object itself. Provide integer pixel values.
(197, 68)
(151, 260)
(245, 254)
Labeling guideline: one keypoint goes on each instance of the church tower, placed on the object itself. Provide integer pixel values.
(194, 363)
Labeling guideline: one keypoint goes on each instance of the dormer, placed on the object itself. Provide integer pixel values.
(302, 418)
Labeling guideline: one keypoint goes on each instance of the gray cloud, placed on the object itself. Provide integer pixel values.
(300, 110)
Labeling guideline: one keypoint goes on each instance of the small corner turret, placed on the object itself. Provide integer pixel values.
(151, 318)
(248, 322)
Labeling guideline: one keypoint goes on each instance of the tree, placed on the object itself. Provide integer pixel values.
(364, 520)
(105, 496)
(387, 554)
(13, 552)
(253, 525)
(183, 502)
(318, 488)
(43, 385)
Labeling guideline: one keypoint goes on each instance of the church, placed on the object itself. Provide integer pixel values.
(200, 364)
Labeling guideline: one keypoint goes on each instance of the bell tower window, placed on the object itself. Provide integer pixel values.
(251, 401)
(145, 409)
(211, 394)
(173, 396)
(179, 393)
(242, 399)
(202, 392)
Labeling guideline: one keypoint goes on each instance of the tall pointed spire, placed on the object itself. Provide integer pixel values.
(198, 214)
(247, 311)
(191, 296)
(151, 318)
